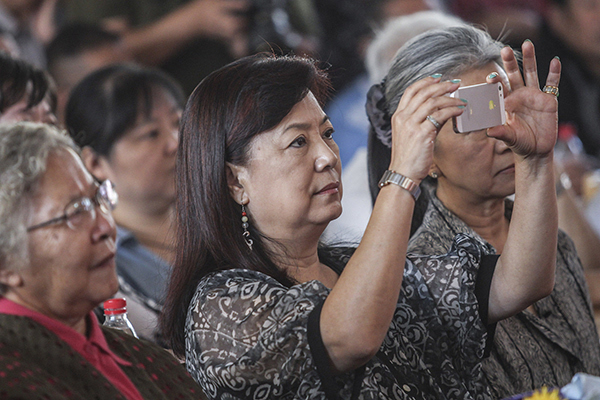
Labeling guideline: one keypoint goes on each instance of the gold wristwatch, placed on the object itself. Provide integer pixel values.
(402, 181)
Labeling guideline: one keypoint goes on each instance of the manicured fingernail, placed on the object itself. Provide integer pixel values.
(557, 57)
(492, 75)
(461, 106)
(454, 80)
(528, 40)
(435, 76)
(464, 100)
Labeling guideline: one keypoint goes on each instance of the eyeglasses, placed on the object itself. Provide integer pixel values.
(82, 210)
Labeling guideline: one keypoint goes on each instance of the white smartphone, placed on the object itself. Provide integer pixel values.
(484, 108)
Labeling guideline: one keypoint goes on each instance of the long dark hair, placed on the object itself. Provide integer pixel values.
(225, 111)
(107, 102)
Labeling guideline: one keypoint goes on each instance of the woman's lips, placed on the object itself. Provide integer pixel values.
(330, 189)
(108, 261)
(508, 170)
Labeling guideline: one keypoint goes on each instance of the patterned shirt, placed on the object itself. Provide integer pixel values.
(248, 336)
(529, 350)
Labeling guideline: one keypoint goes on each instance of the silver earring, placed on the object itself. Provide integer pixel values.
(433, 174)
(245, 226)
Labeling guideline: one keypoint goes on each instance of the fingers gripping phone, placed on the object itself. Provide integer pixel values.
(484, 109)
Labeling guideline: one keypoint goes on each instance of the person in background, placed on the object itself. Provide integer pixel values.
(260, 309)
(57, 263)
(77, 50)
(126, 119)
(571, 30)
(396, 32)
(186, 38)
(26, 92)
(511, 21)
(29, 25)
(470, 176)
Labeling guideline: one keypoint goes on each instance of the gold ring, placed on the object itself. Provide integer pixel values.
(551, 90)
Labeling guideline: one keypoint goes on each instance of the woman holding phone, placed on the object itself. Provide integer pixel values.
(260, 309)
(470, 177)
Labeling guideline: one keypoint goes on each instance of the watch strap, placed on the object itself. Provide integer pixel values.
(402, 181)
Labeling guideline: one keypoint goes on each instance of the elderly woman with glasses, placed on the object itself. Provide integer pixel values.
(57, 263)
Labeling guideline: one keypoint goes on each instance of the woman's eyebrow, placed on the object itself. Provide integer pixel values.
(304, 126)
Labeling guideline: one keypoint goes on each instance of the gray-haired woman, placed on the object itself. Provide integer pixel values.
(471, 175)
(57, 263)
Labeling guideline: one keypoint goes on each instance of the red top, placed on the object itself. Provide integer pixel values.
(93, 348)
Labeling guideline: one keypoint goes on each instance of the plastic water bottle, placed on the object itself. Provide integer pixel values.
(115, 316)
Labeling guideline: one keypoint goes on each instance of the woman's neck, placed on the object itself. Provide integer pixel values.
(485, 217)
(301, 259)
(152, 228)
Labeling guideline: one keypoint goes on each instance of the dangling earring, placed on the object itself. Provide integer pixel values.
(433, 174)
(245, 226)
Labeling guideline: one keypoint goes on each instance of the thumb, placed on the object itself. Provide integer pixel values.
(504, 133)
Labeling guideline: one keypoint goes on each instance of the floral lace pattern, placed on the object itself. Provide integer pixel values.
(247, 335)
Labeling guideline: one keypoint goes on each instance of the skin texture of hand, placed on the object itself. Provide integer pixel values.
(531, 122)
(413, 135)
(222, 19)
(155, 43)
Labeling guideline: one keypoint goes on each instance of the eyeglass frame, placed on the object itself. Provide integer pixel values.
(105, 198)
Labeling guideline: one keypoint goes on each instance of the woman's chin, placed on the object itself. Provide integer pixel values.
(335, 214)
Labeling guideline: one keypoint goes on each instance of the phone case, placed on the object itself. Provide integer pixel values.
(484, 108)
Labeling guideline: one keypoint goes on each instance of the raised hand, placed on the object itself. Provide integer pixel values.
(413, 134)
(532, 115)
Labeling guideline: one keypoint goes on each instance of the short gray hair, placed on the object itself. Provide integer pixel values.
(450, 52)
(396, 33)
(24, 151)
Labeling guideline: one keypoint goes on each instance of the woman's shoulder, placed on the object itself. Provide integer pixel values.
(245, 286)
(153, 368)
(462, 246)
(336, 256)
(237, 277)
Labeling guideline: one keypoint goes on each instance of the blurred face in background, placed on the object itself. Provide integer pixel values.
(41, 112)
(578, 24)
(141, 163)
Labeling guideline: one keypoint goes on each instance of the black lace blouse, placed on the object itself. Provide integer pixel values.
(249, 337)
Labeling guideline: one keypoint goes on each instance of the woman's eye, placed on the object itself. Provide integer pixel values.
(153, 134)
(328, 134)
(76, 211)
(298, 142)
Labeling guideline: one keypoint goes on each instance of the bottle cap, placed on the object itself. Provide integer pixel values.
(115, 306)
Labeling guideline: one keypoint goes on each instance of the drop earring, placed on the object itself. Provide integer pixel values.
(245, 226)
(433, 174)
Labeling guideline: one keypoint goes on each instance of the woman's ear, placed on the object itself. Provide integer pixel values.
(96, 164)
(434, 171)
(235, 176)
(11, 279)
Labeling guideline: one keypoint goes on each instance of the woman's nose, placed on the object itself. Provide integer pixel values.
(104, 225)
(326, 158)
(500, 146)
(172, 141)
